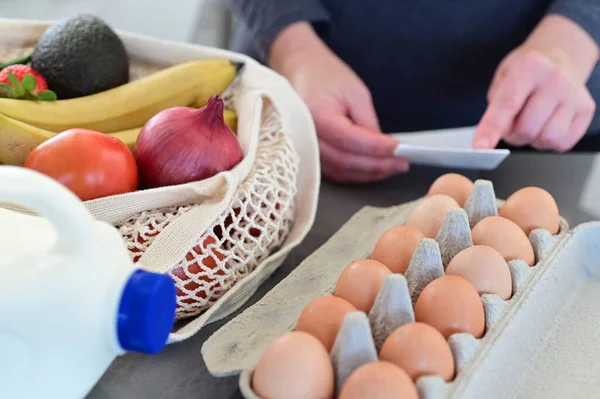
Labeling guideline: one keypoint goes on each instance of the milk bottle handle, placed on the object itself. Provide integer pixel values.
(49, 199)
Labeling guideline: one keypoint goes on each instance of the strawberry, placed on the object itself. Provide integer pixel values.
(21, 81)
(20, 71)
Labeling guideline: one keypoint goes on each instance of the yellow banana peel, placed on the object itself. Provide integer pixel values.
(130, 105)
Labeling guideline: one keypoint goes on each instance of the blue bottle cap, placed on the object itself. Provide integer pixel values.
(146, 312)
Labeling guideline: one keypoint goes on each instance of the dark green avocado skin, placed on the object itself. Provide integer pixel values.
(81, 56)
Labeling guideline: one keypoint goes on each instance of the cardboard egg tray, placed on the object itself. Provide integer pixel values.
(541, 343)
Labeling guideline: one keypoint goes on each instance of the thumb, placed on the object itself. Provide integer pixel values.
(362, 112)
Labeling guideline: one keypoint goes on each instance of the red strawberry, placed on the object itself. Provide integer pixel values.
(20, 71)
(21, 81)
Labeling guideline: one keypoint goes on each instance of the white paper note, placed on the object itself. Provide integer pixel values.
(447, 148)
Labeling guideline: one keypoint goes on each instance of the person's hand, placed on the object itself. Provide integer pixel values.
(534, 101)
(538, 97)
(351, 145)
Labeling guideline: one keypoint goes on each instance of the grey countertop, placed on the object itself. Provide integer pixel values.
(179, 371)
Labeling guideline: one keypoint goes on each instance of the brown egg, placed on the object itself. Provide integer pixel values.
(419, 349)
(451, 305)
(505, 237)
(453, 185)
(485, 268)
(430, 213)
(360, 282)
(396, 246)
(323, 317)
(379, 380)
(532, 208)
(295, 366)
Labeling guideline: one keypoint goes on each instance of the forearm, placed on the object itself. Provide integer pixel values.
(293, 45)
(266, 19)
(570, 33)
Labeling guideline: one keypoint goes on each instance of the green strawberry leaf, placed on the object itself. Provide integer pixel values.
(28, 83)
(46, 95)
(7, 89)
(24, 89)
(30, 96)
(14, 82)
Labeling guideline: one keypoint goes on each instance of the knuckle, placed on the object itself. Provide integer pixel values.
(532, 59)
(589, 106)
(560, 79)
(525, 131)
(361, 91)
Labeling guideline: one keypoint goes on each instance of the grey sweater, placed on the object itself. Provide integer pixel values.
(427, 63)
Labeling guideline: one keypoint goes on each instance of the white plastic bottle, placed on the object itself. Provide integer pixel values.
(71, 300)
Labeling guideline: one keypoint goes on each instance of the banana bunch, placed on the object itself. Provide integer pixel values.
(18, 139)
(120, 112)
(129, 105)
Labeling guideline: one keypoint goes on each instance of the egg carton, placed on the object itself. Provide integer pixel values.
(541, 343)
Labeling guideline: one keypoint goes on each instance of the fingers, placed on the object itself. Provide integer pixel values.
(539, 108)
(579, 127)
(508, 99)
(505, 105)
(344, 177)
(556, 127)
(354, 151)
(567, 125)
(362, 111)
(347, 167)
(358, 162)
(337, 130)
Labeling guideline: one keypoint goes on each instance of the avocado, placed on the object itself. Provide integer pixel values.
(80, 56)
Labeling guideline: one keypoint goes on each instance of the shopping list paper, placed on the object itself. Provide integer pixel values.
(447, 148)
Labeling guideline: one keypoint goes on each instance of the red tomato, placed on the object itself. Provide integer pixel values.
(210, 262)
(89, 163)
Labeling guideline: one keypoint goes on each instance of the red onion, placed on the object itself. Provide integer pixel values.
(181, 145)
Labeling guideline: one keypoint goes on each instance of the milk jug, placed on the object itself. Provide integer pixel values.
(71, 300)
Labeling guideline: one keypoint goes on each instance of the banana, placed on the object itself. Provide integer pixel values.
(128, 137)
(129, 105)
(18, 139)
(230, 118)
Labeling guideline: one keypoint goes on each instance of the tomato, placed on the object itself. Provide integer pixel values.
(209, 264)
(89, 163)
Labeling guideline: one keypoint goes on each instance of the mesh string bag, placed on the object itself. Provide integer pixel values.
(257, 222)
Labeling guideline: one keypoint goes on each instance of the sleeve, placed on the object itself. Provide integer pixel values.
(266, 18)
(586, 13)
